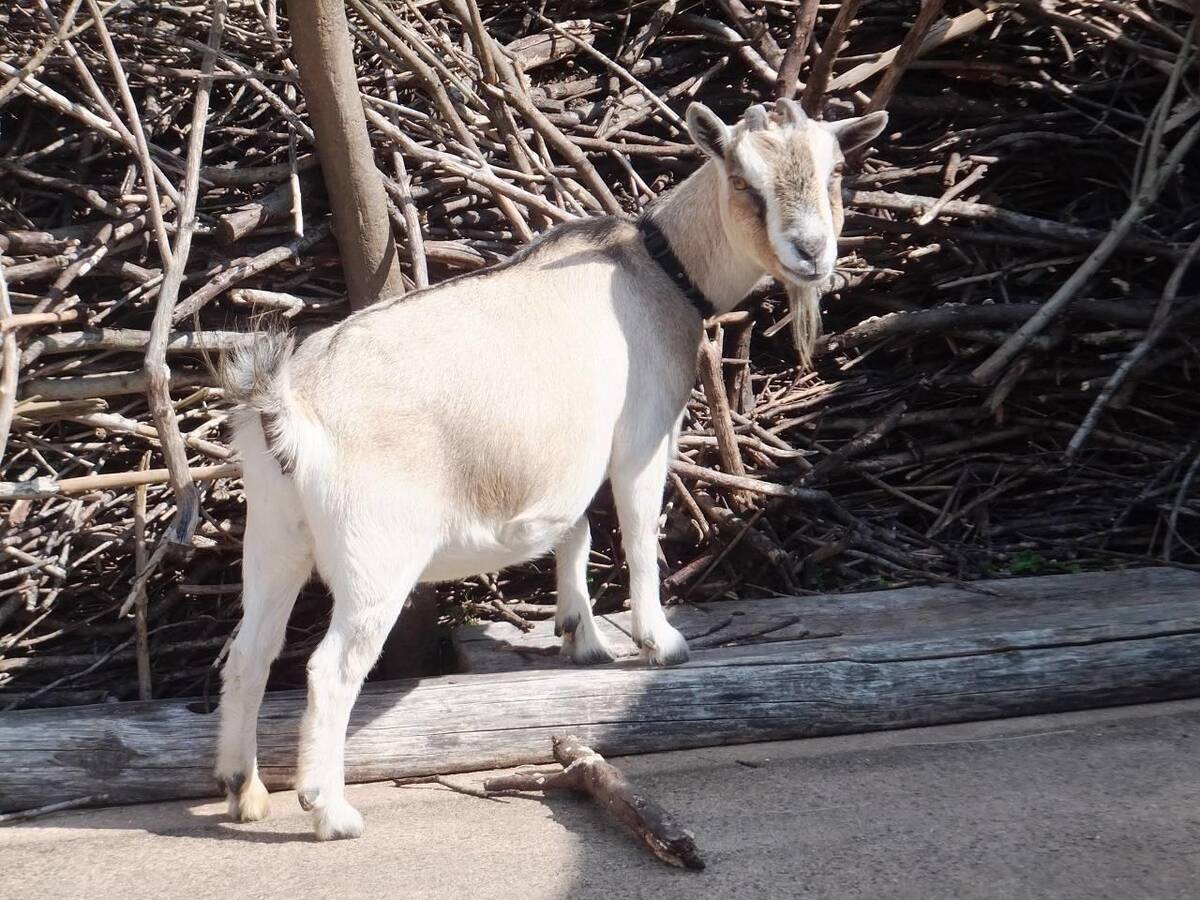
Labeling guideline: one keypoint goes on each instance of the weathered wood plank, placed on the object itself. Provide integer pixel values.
(995, 604)
(1058, 656)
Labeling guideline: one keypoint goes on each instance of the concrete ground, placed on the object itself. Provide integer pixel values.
(1092, 805)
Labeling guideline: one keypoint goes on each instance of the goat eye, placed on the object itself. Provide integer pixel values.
(739, 183)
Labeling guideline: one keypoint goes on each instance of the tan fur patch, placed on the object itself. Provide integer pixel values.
(496, 492)
(795, 175)
(748, 222)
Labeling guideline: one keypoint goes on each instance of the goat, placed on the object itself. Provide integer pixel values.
(369, 458)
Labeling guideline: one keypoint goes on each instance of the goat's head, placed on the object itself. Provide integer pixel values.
(781, 192)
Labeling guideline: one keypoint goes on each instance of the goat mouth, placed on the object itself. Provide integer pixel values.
(796, 275)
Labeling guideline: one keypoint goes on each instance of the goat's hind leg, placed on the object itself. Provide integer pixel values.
(369, 586)
(573, 620)
(276, 562)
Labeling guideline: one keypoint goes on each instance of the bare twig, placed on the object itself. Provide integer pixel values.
(139, 135)
(25, 815)
(9, 357)
(49, 487)
(822, 67)
(35, 61)
(1159, 325)
(718, 404)
(158, 374)
(140, 602)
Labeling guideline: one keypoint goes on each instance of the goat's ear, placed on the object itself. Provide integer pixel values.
(709, 132)
(854, 133)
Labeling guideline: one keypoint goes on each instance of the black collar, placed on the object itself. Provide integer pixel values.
(660, 251)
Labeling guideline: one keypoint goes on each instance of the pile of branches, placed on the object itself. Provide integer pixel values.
(1008, 383)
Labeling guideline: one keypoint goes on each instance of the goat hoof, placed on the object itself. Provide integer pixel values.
(251, 803)
(664, 647)
(587, 647)
(597, 654)
(337, 821)
(567, 626)
(308, 798)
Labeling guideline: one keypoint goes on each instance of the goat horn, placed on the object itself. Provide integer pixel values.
(790, 111)
(756, 117)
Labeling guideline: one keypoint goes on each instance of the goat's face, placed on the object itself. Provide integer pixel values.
(781, 191)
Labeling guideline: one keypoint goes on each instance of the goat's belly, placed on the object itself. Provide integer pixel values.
(479, 549)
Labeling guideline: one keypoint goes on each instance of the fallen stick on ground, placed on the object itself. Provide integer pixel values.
(587, 772)
(25, 815)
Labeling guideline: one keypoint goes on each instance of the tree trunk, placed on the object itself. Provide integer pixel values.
(322, 49)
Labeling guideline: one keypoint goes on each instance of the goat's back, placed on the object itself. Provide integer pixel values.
(504, 386)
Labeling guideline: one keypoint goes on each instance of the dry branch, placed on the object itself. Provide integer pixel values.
(158, 375)
(1154, 181)
(940, 33)
(587, 772)
(47, 487)
(793, 59)
(9, 355)
(822, 67)
(912, 45)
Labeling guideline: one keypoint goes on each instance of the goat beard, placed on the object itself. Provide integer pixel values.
(804, 302)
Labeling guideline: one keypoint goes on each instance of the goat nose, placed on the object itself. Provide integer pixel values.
(808, 251)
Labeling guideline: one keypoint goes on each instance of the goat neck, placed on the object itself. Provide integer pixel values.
(692, 217)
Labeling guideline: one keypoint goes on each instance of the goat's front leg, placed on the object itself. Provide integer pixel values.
(637, 482)
(573, 620)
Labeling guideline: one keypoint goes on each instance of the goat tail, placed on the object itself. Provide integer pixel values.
(255, 377)
(805, 304)
(250, 374)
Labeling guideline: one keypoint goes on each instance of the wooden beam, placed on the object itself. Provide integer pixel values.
(1132, 638)
(997, 606)
(325, 56)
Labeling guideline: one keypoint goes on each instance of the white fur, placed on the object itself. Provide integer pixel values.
(810, 224)
(461, 430)
(336, 821)
(754, 168)
(573, 620)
